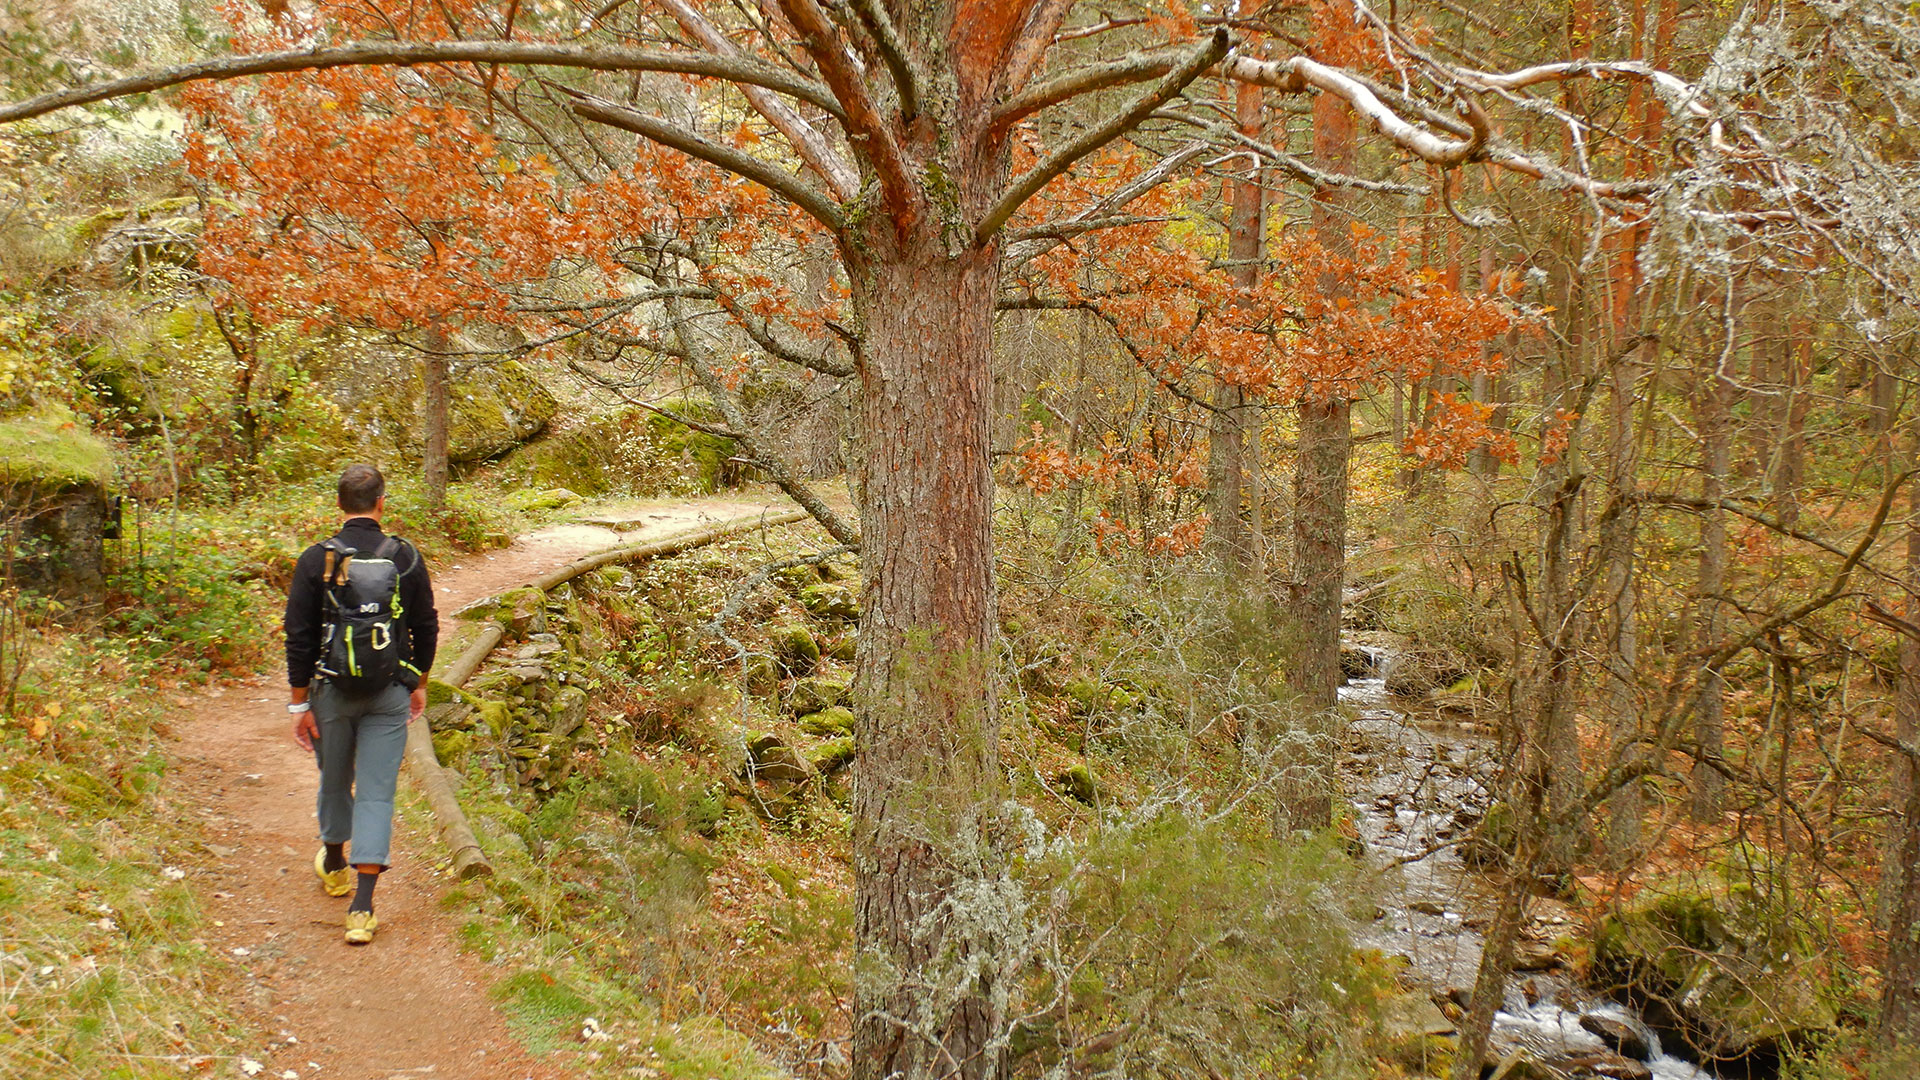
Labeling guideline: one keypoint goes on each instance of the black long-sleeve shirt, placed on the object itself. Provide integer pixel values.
(306, 600)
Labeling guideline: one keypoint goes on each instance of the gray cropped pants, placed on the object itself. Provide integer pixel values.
(361, 744)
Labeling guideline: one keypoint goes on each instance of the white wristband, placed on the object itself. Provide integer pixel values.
(299, 706)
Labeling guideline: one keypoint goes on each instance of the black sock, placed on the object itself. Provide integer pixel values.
(363, 894)
(336, 858)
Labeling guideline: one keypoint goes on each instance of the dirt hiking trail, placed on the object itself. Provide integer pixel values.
(410, 1005)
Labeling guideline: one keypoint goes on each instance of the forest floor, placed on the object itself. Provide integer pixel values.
(412, 1004)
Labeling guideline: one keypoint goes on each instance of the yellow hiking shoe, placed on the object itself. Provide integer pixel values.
(360, 927)
(338, 883)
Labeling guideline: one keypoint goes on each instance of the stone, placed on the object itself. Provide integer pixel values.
(451, 747)
(56, 474)
(494, 408)
(523, 611)
(832, 756)
(567, 711)
(836, 720)
(1427, 907)
(1708, 959)
(817, 692)
(770, 758)
(528, 500)
(1358, 663)
(450, 716)
(843, 648)
(1078, 783)
(1535, 956)
(831, 601)
(794, 649)
(440, 693)
(760, 673)
(1620, 1036)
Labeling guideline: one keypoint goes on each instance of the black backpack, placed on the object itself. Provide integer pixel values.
(360, 650)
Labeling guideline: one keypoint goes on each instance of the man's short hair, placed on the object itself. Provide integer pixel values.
(360, 488)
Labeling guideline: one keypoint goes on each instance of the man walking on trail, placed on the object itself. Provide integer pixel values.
(361, 631)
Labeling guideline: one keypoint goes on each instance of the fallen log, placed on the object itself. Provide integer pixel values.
(469, 860)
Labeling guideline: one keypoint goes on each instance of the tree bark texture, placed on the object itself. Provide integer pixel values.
(1710, 619)
(927, 729)
(1320, 466)
(1227, 433)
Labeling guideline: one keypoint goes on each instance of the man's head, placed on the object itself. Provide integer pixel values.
(362, 489)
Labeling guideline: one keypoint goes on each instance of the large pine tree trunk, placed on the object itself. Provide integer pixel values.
(927, 728)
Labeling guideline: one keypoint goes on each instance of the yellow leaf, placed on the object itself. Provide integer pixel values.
(37, 729)
(54, 710)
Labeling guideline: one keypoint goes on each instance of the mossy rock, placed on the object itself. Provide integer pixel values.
(770, 758)
(450, 716)
(1090, 697)
(796, 578)
(496, 407)
(843, 648)
(1494, 839)
(830, 721)
(1737, 984)
(1077, 783)
(812, 694)
(760, 674)
(831, 601)
(495, 716)
(49, 450)
(586, 458)
(451, 747)
(528, 500)
(794, 648)
(706, 456)
(832, 756)
(441, 693)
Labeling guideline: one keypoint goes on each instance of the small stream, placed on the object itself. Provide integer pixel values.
(1416, 787)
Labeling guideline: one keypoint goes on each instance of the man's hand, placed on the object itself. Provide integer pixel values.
(416, 703)
(305, 730)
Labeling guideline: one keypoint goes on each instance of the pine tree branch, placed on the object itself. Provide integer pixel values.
(737, 69)
(820, 155)
(864, 124)
(1059, 162)
(772, 177)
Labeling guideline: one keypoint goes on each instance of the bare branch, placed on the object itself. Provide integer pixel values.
(775, 179)
(841, 177)
(893, 52)
(1164, 91)
(1100, 214)
(737, 69)
(1287, 163)
(1132, 68)
(700, 359)
(1296, 73)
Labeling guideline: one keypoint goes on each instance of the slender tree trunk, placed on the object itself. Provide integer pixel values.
(1622, 616)
(927, 728)
(1320, 464)
(437, 379)
(1709, 717)
(1897, 872)
(1227, 429)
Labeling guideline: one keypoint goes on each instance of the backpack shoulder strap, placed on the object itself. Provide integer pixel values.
(389, 548)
